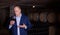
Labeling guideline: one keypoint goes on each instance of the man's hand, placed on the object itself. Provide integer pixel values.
(22, 26)
(12, 22)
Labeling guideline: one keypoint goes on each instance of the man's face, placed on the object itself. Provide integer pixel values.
(17, 10)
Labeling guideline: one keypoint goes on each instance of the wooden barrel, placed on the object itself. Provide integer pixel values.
(43, 17)
(58, 17)
(35, 16)
(51, 17)
(30, 16)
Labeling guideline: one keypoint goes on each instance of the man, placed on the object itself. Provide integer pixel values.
(21, 24)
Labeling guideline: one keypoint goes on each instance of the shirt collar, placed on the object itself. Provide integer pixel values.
(19, 16)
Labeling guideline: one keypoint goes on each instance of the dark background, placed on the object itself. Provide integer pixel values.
(41, 6)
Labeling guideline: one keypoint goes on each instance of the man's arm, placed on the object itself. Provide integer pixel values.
(28, 24)
(10, 23)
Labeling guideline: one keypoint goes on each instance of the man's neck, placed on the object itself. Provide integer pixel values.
(18, 15)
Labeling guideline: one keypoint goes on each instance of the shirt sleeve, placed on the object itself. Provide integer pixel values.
(25, 27)
(10, 26)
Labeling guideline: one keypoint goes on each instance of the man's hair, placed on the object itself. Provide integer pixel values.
(16, 6)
